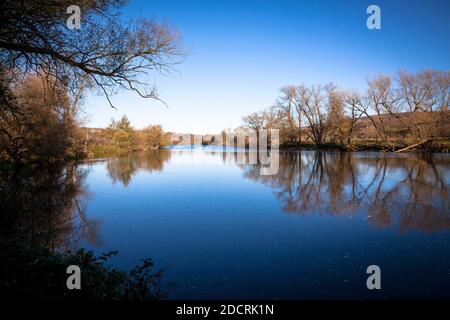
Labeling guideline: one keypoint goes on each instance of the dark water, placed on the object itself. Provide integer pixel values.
(223, 230)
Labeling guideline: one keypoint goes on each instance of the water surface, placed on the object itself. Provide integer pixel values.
(223, 230)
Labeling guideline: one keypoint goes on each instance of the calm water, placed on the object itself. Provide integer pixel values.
(222, 230)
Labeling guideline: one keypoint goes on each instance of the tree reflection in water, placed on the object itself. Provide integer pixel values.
(45, 206)
(411, 191)
(42, 222)
(123, 168)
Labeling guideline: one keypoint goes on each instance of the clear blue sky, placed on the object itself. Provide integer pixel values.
(242, 52)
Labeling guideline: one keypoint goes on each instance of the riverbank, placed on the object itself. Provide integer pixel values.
(34, 271)
(42, 218)
(439, 145)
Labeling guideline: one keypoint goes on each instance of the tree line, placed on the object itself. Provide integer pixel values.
(394, 113)
(121, 137)
(46, 69)
(46, 127)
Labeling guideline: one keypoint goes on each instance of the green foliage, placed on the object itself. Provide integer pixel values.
(121, 134)
(99, 151)
(120, 137)
(142, 284)
(30, 271)
(42, 220)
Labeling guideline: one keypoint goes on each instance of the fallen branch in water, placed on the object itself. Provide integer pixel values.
(416, 144)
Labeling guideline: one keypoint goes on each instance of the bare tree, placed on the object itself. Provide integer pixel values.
(254, 121)
(106, 55)
(371, 104)
(286, 103)
(414, 106)
(424, 102)
(351, 101)
(312, 102)
(337, 119)
(411, 110)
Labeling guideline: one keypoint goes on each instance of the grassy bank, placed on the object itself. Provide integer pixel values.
(439, 145)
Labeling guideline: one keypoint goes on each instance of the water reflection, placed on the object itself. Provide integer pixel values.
(46, 206)
(123, 168)
(222, 228)
(216, 224)
(411, 191)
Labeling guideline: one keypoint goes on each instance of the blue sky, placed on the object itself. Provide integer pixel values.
(242, 52)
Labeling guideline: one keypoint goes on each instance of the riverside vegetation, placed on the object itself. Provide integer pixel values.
(402, 113)
(45, 72)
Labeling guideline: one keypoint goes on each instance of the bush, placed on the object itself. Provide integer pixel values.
(36, 272)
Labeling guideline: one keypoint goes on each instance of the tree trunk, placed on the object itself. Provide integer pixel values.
(416, 144)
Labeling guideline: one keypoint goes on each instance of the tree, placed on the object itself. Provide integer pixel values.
(154, 137)
(255, 122)
(44, 125)
(121, 134)
(267, 119)
(415, 106)
(337, 118)
(372, 104)
(351, 101)
(286, 102)
(411, 109)
(312, 103)
(423, 102)
(106, 55)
